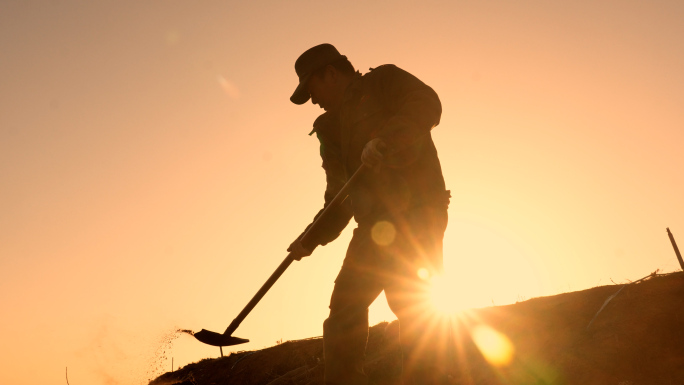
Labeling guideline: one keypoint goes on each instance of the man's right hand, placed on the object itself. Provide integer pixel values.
(298, 251)
(371, 156)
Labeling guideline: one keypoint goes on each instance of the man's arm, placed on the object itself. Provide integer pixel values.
(338, 217)
(336, 220)
(327, 231)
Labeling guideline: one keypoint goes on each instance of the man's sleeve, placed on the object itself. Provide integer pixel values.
(336, 220)
(338, 217)
(415, 107)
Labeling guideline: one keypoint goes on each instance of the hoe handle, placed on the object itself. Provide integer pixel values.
(339, 198)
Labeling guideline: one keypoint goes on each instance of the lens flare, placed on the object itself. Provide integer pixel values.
(383, 233)
(423, 273)
(495, 347)
(229, 87)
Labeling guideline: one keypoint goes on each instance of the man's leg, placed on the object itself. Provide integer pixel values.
(345, 332)
(423, 336)
(423, 333)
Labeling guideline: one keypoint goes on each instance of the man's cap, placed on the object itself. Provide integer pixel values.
(309, 62)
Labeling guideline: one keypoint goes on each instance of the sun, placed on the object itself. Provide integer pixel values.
(443, 296)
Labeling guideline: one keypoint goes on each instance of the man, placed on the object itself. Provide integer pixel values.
(382, 121)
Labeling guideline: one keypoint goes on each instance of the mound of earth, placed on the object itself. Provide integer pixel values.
(636, 338)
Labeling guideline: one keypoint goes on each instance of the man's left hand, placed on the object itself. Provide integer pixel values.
(298, 251)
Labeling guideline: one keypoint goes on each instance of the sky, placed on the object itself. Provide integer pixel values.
(153, 171)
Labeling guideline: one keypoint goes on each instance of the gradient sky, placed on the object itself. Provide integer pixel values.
(153, 170)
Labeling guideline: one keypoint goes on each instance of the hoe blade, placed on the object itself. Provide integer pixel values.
(216, 339)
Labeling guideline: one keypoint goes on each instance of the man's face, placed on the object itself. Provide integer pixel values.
(324, 90)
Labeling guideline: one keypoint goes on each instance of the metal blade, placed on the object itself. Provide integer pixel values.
(216, 339)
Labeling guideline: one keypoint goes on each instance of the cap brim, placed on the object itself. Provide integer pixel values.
(301, 94)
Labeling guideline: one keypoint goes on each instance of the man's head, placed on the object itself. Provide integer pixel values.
(323, 77)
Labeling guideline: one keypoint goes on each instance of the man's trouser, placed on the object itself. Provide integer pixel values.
(391, 254)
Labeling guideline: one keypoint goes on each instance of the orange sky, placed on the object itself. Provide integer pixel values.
(153, 170)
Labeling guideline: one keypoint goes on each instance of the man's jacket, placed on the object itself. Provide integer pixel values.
(391, 104)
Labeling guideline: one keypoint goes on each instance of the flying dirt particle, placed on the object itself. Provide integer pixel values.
(160, 363)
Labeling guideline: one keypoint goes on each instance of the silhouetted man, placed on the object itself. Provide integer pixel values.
(381, 120)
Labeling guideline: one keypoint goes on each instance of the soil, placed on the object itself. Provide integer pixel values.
(636, 339)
